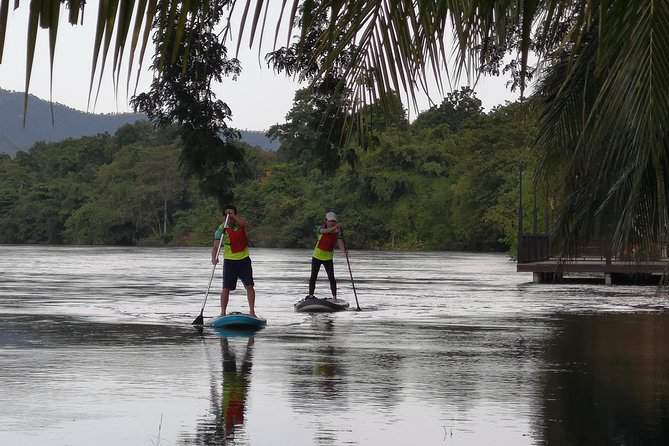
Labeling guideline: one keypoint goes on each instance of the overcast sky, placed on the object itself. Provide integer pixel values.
(258, 98)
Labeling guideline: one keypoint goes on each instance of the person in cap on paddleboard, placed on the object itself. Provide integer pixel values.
(329, 235)
(236, 259)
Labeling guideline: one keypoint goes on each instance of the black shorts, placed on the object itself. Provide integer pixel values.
(237, 269)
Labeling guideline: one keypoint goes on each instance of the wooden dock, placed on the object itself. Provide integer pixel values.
(595, 263)
(534, 256)
(597, 270)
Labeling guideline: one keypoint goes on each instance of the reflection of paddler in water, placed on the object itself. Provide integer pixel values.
(235, 385)
(327, 369)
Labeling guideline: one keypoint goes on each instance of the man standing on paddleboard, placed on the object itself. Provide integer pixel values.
(328, 235)
(236, 259)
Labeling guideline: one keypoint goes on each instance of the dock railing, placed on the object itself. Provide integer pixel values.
(533, 248)
(538, 248)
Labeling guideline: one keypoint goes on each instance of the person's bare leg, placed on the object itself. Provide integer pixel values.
(225, 296)
(251, 296)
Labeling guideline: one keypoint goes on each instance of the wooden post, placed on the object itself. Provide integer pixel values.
(534, 211)
(520, 212)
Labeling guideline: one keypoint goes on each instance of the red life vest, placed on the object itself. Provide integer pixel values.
(238, 240)
(327, 242)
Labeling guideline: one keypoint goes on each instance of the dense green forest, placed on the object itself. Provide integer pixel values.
(446, 181)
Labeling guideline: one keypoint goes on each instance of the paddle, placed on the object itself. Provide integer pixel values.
(349, 269)
(200, 319)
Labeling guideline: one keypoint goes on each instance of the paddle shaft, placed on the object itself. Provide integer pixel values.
(355, 294)
(213, 270)
(352, 282)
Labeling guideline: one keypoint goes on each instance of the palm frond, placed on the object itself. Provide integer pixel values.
(136, 30)
(604, 125)
(404, 41)
(33, 22)
(4, 11)
(54, 13)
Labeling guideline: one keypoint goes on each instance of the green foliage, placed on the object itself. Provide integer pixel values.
(196, 226)
(603, 134)
(142, 185)
(414, 187)
(604, 99)
(316, 130)
(319, 124)
(278, 206)
(182, 97)
(455, 109)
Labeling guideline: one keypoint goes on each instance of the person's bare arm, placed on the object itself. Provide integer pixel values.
(342, 246)
(239, 221)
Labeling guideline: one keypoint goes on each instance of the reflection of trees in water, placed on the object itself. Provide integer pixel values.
(610, 381)
(375, 371)
(456, 365)
(464, 365)
(228, 407)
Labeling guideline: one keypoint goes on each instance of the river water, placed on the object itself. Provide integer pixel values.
(97, 347)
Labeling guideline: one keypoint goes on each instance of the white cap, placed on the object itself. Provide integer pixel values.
(331, 216)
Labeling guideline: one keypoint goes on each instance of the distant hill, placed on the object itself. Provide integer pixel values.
(257, 138)
(69, 123)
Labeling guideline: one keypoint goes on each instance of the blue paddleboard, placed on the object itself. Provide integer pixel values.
(238, 320)
(315, 305)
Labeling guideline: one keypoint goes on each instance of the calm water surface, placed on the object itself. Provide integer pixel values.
(96, 347)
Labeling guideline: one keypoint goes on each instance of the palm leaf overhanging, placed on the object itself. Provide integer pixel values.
(604, 128)
(603, 94)
(403, 42)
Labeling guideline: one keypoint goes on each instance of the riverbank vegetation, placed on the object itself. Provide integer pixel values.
(448, 180)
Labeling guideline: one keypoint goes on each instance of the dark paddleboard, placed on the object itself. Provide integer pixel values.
(237, 320)
(315, 305)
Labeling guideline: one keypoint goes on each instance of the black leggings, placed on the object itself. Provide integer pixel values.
(329, 269)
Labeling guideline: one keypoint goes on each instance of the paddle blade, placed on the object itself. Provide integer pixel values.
(198, 320)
